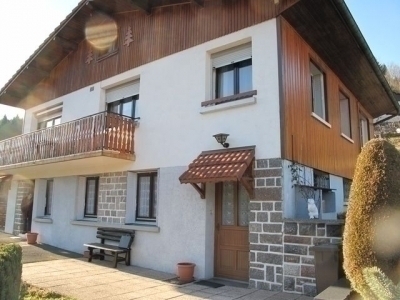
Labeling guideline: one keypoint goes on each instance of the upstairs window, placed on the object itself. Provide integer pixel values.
(49, 117)
(232, 71)
(364, 130)
(122, 99)
(49, 123)
(345, 121)
(319, 106)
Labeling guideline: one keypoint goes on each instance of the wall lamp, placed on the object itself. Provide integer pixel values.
(221, 138)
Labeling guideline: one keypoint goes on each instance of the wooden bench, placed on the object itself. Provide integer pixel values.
(123, 237)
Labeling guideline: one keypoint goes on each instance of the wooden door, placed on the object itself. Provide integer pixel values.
(231, 232)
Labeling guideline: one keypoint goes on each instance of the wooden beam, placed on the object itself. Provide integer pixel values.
(198, 2)
(38, 71)
(69, 45)
(143, 5)
(248, 185)
(200, 189)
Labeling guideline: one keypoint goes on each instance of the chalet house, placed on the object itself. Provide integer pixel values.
(125, 102)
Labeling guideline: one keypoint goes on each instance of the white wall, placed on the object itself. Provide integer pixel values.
(11, 204)
(172, 130)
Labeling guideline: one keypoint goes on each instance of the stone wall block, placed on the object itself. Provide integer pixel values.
(290, 228)
(269, 258)
(308, 229)
(257, 274)
(272, 228)
(271, 238)
(269, 193)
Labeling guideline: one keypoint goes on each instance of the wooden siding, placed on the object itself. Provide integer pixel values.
(166, 31)
(306, 139)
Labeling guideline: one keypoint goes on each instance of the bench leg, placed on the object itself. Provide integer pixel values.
(115, 259)
(102, 254)
(90, 254)
(128, 258)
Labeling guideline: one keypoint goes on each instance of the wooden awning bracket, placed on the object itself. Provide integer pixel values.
(200, 189)
(248, 185)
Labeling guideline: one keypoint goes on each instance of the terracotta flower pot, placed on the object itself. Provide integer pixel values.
(31, 237)
(185, 272)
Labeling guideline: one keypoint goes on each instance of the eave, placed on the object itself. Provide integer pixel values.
(329, 28)
(64, 40)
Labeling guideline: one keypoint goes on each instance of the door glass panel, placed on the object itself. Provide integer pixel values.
(243, 207)
(228, 207)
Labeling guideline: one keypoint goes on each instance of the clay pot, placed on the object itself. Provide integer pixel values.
(31, 237)
(185, 272)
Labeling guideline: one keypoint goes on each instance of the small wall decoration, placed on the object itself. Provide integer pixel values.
(89, 57)
(128, 37)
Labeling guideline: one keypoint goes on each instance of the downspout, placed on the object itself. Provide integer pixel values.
(348, 19)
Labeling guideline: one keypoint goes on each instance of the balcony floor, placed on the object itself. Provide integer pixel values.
(78, 164)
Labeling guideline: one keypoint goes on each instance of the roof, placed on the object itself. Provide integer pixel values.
(219, 165)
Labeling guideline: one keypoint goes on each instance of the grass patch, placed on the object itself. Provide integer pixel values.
(30, 292)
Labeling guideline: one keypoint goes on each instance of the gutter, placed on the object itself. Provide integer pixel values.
(348, 19)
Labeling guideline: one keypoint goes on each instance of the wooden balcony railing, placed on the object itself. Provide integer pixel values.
(104, 132)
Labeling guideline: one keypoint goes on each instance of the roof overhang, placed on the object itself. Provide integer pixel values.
(234, 164)
(65, 39)
(329, 28)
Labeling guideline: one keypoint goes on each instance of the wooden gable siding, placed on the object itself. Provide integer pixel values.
(166, 31)
(306, 139)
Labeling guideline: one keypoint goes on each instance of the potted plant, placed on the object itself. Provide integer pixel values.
(31, 237)
(185, 272)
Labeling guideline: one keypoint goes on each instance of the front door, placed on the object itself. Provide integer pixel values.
(231, 232)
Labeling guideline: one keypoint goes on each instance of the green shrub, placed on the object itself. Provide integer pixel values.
(374, 195)
(10, 271)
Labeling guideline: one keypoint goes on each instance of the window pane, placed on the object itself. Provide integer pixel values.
(114, 107)
(345, 115)
(364, 130)
(155, 196)
(49, 123)
(228, 207)
(49, 197)
(225, 82)
(127, 108)
(144, 196)
(91, 197)
(245, 79)
(243, 207)
(317, 91)
(57, 121)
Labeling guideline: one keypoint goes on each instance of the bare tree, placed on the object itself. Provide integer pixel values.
(392, 75)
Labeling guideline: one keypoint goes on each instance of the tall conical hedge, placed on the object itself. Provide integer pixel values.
(374, 196)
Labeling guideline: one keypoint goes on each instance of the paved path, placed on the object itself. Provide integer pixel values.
(69, 274)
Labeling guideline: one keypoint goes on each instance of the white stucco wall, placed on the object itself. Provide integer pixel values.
(11, 204)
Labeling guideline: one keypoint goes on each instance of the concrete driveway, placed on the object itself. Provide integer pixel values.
(70, 274)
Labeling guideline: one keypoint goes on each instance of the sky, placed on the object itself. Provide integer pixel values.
(25, 24)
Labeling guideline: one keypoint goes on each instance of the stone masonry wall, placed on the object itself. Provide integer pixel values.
(112, 197)
(266, 226)
(298, 261)
(24, 187)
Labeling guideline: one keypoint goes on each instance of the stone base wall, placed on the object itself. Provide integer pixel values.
(266, 227)
(112, 197)
(298, 261)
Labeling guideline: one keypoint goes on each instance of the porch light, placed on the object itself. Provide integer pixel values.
(221, 138)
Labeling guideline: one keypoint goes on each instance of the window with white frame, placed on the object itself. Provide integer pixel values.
(122, 99)
(319, 105)
(346, 190)
(91, 196)
(232, 71)
(49, 197)
(49, 117)
(364, 130)
(345, 123)
(146, 196)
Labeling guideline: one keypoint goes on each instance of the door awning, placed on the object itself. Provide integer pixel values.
(234, 164)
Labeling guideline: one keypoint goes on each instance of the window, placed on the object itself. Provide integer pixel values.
(49, 197)
(364, 130)
(232, 71)
(92, 187)
(146, 199)
(345, 123)
(49, 123)
(319, 106)
(346, 190)
(124, 107)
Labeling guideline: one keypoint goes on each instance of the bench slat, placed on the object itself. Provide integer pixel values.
(107, 247)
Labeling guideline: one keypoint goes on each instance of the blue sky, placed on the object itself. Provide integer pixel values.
(25, 24)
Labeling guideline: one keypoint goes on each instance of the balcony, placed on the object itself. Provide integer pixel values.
(105, 135)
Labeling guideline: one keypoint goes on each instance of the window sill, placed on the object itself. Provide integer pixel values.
(314, 221)
(347, 138)
(236, 101)
(314, 115)
(134, 226)
(105, 56)
(43, 220)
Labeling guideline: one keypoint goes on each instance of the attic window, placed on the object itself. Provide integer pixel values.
(102, 54)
